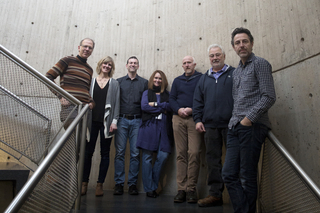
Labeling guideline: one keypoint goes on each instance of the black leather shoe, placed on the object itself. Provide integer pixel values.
(133, 190)
(192, 197)
(180, 197)
(152, 194)
(118, 189)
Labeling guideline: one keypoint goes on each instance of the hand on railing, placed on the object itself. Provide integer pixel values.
(64, 102)
(90, 105)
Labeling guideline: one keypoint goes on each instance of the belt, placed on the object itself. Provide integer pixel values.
(129, 117)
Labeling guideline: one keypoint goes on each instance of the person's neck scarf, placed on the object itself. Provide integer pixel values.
(152, 97)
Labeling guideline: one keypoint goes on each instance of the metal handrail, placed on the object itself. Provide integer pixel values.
(32, 109)
(22, 196)
(23, 103)
(38, 75)
(294, 164)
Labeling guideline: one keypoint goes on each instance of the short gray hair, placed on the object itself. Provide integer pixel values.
(216, 45)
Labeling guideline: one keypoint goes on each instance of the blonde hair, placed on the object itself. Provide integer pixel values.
(106, 60)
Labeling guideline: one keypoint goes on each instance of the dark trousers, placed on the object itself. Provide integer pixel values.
(214, 138)
(241, 165)
(104, 152)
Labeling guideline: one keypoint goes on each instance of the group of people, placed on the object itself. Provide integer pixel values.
(224, 105)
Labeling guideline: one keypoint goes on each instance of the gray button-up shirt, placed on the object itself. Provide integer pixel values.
(253, 91)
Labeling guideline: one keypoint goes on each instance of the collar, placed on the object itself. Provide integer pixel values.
(250, 59)
(135, 78)
(224, 68)
(82, 59)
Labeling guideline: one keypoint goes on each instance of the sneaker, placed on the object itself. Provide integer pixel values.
(180, 197)
(192, 197)
(118, 189)
(133, 190)
(210, 201)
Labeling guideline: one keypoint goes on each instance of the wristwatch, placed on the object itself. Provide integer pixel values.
(155, 104)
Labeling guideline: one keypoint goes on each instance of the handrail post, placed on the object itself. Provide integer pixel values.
(81, 159)
(22, 196)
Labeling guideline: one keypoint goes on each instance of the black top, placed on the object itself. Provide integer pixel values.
(131, 94)
(99, 97)
(212, 100)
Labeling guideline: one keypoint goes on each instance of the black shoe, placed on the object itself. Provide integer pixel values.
(192, 197)
(133, 190)
(152, 194)
(180, 197)
(118, 189)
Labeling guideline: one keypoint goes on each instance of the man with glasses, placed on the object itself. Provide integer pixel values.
(212, 110)
(75, 78)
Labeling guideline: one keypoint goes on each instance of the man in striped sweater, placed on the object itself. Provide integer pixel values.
(75, 78)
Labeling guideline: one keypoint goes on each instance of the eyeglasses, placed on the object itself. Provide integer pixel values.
(217, 55)
(87, 47)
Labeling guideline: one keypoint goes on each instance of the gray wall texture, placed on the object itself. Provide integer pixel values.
(161, 32)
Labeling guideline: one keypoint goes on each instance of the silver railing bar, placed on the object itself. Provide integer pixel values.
(81, 160)
(294, 164)
(23, 103)
(24, 193)
(38, 75)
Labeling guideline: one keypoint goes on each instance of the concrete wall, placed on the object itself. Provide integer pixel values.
(161, 32)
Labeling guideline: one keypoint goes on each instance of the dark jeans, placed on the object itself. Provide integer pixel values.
(214, 138)
(243, 152)
(104, 152)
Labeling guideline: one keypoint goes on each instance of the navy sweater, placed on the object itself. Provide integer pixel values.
(182, 90)
(213, 102)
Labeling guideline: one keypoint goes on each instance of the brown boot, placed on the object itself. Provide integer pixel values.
(210, 201)
(84, 188)
(99, 190)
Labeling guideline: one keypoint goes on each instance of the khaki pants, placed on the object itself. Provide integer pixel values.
(188, 147)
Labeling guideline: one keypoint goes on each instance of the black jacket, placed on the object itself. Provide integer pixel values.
(212, 100)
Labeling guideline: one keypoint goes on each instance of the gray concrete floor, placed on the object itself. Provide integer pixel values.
(141, 204)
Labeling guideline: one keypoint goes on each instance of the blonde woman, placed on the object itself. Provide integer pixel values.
(102, 119)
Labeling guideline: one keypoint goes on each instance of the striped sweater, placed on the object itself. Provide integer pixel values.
(75, 77)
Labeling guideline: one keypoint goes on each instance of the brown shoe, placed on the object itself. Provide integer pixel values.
(99, 190)
(210, 201)
(84, 188)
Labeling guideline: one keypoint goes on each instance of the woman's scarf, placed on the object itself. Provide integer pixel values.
(148, 118)
(152, 97)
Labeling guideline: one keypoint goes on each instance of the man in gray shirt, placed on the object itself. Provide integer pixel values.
(253, 94)
(131, 88)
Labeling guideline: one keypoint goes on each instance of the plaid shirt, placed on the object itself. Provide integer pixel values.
(253, 91)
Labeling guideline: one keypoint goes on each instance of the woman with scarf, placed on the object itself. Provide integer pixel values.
(155, 132)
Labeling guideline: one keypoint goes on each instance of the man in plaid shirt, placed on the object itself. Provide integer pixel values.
(253, 94)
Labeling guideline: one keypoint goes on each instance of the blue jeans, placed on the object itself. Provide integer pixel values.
(151, 175)
(104, 152)
(241, 165)
(126, 129)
